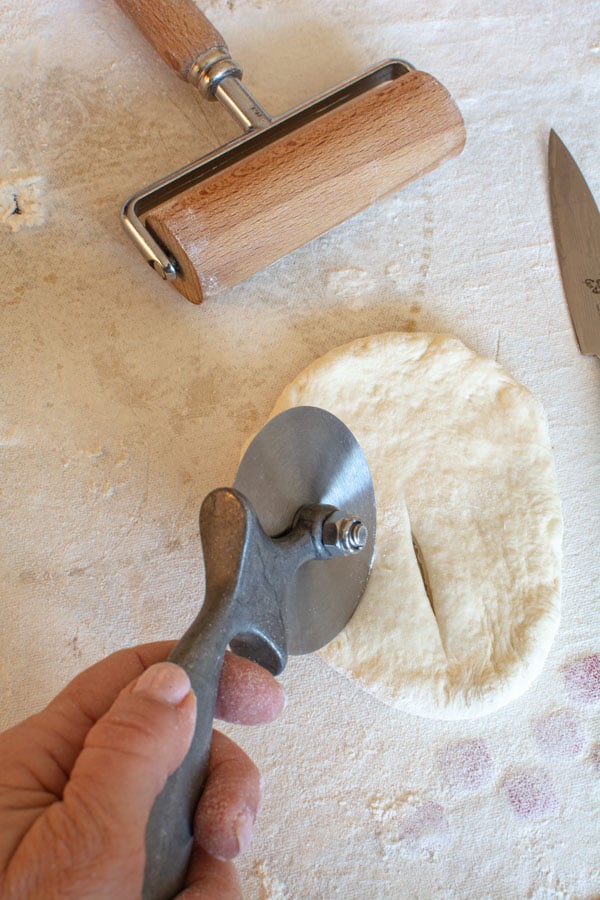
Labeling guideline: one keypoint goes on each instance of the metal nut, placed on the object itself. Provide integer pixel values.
(344, 534)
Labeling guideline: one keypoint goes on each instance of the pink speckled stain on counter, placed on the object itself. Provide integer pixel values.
(559, 734)
(530, 793)
(467, 764)
(595, 758)
(582, 679)
(425, 828)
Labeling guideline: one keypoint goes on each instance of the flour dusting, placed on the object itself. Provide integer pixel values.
(271, 888)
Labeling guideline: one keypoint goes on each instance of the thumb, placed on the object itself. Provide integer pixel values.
(126, 759)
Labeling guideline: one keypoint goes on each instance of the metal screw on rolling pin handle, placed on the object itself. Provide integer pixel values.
(344, 534)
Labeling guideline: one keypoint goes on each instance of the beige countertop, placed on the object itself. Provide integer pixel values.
(122, 405)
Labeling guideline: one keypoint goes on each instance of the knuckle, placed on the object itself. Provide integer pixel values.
(135, 734)
(82, 846)
(89, 827)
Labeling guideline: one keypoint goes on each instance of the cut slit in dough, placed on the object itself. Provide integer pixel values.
(462, 468)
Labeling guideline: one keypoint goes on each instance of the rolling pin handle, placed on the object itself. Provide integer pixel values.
(177, 30)
(185, 39)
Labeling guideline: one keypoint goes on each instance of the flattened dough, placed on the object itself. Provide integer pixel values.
(460, 458)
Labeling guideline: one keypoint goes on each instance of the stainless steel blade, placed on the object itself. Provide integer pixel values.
(576, 224)
(304, 456)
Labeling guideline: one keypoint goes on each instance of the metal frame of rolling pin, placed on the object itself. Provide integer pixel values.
(217, 76)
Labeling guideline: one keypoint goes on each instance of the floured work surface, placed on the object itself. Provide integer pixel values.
(122, 406)
(463, 601)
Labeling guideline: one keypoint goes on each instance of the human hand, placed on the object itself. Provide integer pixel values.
(78, 780)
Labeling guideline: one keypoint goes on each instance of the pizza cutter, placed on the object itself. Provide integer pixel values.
(287, 553)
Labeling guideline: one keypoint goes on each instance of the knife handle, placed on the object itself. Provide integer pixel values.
(177, 30)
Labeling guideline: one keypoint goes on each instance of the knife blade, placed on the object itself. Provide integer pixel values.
(576, 225)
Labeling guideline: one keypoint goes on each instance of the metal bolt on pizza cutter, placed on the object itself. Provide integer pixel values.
(287, 552)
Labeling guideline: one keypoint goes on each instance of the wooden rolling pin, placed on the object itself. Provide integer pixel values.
(287, 179)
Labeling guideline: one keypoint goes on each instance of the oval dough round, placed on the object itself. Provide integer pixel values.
(461, 461)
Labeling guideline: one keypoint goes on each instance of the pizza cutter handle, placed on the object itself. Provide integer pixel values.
(246, 577)
(169, 833)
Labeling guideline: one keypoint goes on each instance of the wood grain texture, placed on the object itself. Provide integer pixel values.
(260, 208)
(176, 29)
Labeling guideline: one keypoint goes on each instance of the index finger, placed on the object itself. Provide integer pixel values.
(247, 694)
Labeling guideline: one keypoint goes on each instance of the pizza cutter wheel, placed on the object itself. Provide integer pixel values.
(287, 552)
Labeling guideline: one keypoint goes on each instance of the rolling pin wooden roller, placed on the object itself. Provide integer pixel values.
(288, 179)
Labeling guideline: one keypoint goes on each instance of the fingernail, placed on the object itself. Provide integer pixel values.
(243, 829)
(164, 681)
